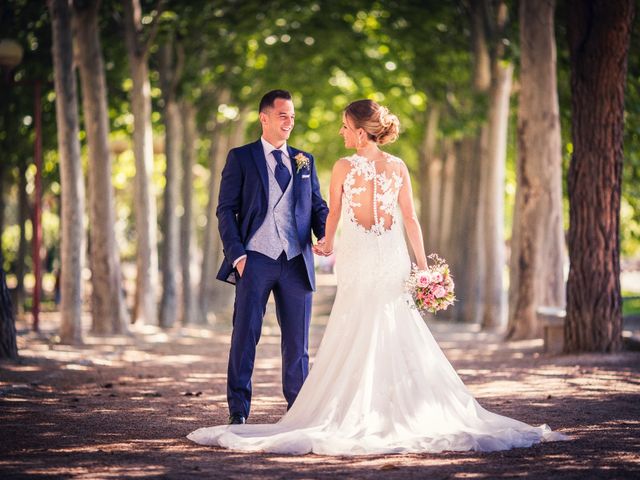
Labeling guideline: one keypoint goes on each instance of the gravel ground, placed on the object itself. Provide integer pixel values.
(120, 407)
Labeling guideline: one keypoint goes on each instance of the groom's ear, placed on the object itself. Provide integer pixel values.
(262, 116)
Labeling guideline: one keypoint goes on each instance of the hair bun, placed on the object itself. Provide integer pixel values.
(381, 125)
(390, 127)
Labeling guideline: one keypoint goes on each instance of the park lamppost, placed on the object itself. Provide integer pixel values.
(10, 56)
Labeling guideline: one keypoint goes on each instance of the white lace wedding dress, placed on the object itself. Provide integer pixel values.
(379, 381)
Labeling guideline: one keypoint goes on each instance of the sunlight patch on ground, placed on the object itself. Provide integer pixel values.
(15, 400)
(21, 368)
(130, 471)
(75, 366)
(183, 359)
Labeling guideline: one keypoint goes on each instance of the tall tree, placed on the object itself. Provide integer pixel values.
(211, 235)
(492, 194)
(108, 308)
(467, 259)
(221, 294)
(430, 171)
(4, 171)
(492, 76)
(8, 346)
(171, 64)
(447, 195)
(599, 33)
(138, 46)
(537, 241)
(188, 113)
(71, 178)
(23, 216)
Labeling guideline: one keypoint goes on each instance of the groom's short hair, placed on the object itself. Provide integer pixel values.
(270, 97)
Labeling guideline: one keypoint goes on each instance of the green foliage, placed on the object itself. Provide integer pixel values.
(630, 208)
(409, 55)
(630, 304)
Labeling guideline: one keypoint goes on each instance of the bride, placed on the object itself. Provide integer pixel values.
(379, 382)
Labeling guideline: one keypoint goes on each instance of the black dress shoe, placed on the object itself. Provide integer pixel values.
(237, 419)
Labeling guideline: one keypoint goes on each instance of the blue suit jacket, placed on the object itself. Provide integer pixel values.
(243, 202)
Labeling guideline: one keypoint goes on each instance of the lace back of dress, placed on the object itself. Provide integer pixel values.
(371, 193)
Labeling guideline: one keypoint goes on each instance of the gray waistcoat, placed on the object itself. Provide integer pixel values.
(278, 231)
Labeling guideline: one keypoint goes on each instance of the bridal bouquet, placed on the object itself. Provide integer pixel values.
(431, 289)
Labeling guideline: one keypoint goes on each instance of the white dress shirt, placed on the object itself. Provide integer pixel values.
(271, 160)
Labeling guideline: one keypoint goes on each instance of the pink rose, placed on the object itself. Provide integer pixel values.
(436, 277)
(439, 291)
(423, 279)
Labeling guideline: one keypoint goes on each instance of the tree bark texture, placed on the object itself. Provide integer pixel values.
(480, 46)
(430, 171)
(211, 235)
(492, 75)
(447, 195)
(145, 309)
(71, 178)
(8, 345)
(23, 216)
(3, 173)
(537, 243)
(465, 251)
(169, 77)
(223, 294)
(492, 198)
(186, 224)
(108, 307)
(599, 34)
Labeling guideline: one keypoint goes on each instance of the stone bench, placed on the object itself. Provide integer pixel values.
(552, 320)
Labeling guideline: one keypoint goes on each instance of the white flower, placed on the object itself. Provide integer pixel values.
(302, 161)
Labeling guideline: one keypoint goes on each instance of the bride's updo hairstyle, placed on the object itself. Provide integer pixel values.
(377, 121)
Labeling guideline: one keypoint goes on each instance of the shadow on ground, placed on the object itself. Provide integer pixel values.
(120, 407)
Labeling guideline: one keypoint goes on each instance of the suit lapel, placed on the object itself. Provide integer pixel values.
(261, 164)
(294, 174)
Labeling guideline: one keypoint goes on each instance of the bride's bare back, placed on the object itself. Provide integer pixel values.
(371, 190)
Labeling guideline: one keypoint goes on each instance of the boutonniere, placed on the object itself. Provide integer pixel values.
(302, 161)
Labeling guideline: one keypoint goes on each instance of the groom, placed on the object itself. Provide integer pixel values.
(269, 204)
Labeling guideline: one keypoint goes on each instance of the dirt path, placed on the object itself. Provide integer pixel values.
(120, 407)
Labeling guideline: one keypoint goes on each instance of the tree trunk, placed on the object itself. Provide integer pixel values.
(169, 76)
(459, 247)
(71, 180)
(488, 21)
(3, 173)
(145, 309)
(480, 47)
(444, 232)
(465, 242)
(108, 308)
(186, 225)
(211, 235)
(23, 216)
(599, 34)
(537, 243)
(223, 294)
(447, 195)
(8, 346)
(430, 182)
(493, 196)
(217, 296)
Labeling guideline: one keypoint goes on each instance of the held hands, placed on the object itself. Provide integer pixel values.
(323, 248)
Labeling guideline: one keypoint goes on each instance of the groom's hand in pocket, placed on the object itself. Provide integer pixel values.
(240, 266)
